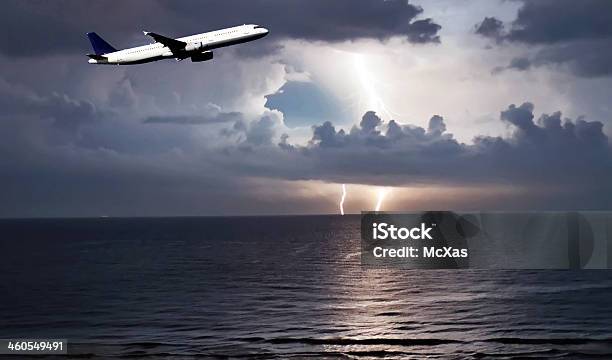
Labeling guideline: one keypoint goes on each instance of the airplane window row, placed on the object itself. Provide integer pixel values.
(197, 39)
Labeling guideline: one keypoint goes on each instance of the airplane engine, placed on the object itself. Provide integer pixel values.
(203, 56)
(194, 47)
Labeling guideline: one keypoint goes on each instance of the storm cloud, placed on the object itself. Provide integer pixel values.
(555, 156)
(577, 35)
(550, 151)
(60, 27)
(193, 119)
(236, 135)
(126, 168)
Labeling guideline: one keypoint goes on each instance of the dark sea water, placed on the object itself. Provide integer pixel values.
(278, 287)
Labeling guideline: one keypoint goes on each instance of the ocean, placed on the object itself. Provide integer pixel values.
(278, 287)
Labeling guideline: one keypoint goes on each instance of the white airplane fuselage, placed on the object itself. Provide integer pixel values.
(198, 47)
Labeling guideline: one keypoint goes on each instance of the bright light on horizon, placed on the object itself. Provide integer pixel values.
(382, 192)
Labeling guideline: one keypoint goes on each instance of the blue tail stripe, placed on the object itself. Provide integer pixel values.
(100, 46)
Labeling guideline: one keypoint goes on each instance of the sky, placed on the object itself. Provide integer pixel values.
(438, 104)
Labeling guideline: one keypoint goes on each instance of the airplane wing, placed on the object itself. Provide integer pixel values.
(172, 44)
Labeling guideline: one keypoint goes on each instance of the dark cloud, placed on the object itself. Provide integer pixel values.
(490, 27)
(551, 154)
(64, 111)
(263, 130)
(326, 136)
(436, 125)
(422, 31)
(194, 119)
(520, 64)
(250, 50)
(577, 35)
(34, 28)
(259, 132)
(129, 168)
(317, 19)
(588, 58)
(559, 21)
(521, 117)
(39, 24)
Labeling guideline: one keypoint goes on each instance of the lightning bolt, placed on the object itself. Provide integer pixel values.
(369, 92)
(382, 192)
(369, 88)
(342, 199)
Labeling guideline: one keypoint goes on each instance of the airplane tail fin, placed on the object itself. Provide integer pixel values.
(100, 46)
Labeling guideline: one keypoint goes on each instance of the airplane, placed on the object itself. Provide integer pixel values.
(197, 47)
